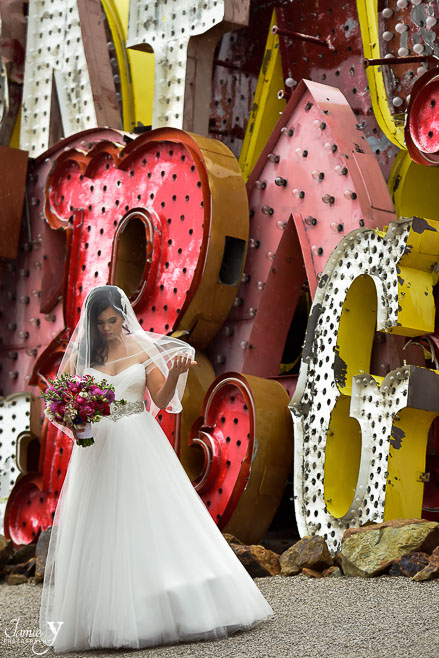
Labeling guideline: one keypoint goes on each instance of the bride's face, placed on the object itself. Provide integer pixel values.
(110, 323)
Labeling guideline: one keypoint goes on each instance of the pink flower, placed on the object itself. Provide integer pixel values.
(57, 407)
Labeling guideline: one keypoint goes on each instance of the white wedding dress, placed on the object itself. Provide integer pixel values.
(135, 559)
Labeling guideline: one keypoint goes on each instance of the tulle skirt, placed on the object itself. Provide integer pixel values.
(135, 559)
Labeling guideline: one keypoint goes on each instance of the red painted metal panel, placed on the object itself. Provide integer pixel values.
(238, 59)
(173, 187)
(244, 434)
(319, 167)
(407, 35)
(93, 193)
(25, 329)
(421, 128)
(340, 67)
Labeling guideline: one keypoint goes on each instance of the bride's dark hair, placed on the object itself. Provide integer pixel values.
(101, 299)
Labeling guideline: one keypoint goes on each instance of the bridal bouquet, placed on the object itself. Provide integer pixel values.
(76, 401)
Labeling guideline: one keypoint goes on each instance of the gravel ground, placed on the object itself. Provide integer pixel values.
(340, 617)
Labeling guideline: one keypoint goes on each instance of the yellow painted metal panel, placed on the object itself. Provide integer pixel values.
(416, 277)
(141, 65)
(266, 106)
(417, 309)
(356, 331)
(119, 39)
(411, 186)
(342, 459)
(368, 15)
(405, 482)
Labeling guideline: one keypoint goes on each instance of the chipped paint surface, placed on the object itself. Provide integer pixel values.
(55, 46)
(182, 71)
(397, 436)
(15, 411)
(343, 416)
(342, 67)
(318, 172)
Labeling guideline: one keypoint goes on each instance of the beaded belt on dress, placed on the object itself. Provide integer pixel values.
(120, 410)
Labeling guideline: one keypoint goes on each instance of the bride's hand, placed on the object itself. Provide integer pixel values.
(78, 429)
(181, 364)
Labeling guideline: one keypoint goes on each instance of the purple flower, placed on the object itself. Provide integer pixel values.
(110, 396)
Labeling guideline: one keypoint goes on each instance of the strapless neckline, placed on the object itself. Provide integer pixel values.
(106, 374)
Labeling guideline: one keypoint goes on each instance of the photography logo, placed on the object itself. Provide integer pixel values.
(14, 635)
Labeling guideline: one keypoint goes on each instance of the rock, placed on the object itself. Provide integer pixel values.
(394, 569)
(9, 568)
(15, 578)
(431, 570)
(22, 553)
(27, 568)
(30, 567)
(289, 569)
(369, 551)
(332, 572)
(41, 554)
(311, 573)
(258, 561)
(307, 553)
(14, 568)
(409, 564)
(6, 549)
(338, 560)
(231, 539)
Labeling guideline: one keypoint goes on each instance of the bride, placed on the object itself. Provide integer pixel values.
(135, 559)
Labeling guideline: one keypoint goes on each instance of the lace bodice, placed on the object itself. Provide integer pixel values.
(129, 384)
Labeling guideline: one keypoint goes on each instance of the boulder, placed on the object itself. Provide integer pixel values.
(231, 539)
(431, 570)
(311, 573)
(258, 561)
(307, 553)
(30, 567)
(15, 578)
(6, 550)
(288, 567)
(338, 561)
(41, 554)
(22, 553)
(332, 572)
(369, 551)
(27, 568)
(409, 564)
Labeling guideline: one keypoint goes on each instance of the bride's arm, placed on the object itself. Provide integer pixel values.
(162, 389)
